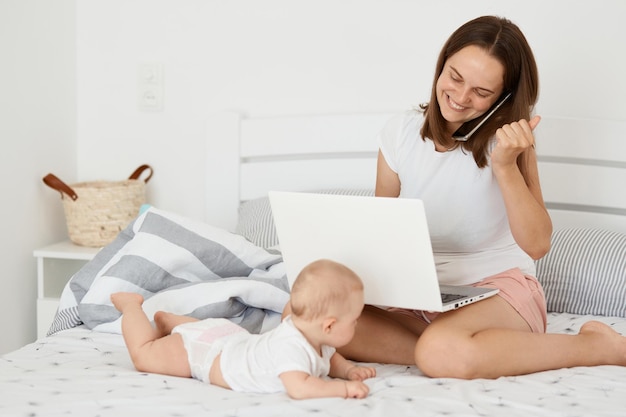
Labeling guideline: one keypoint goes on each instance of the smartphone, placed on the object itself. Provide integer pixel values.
(461, 136)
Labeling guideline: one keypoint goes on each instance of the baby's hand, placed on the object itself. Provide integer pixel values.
(356, 389)
(359, 373)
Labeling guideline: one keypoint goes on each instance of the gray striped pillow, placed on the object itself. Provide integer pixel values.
(256, 223)
(585, 272)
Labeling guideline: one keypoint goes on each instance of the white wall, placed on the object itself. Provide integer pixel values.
(284, 56)
(260, 57)
(38, 135)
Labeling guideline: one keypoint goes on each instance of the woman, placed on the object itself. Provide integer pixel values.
(487, 219)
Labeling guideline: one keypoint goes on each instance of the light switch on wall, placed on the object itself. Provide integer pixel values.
(150, 87)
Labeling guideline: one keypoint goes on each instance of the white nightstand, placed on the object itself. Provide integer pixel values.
(55, 266)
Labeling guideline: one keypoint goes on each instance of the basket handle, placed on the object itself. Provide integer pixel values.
(55, 183)
(137, 173)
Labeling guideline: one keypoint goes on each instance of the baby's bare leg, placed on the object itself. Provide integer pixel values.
(136, 327)
(149, 352)
(165, 321)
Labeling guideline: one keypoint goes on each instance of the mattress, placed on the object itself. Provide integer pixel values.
(88, 373)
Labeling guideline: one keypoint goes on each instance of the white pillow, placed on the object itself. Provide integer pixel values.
(585, 272)
(257, 224)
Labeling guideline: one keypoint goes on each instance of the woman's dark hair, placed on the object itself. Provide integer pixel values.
(504, 41)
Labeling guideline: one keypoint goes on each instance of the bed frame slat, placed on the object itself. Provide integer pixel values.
(582, 162)
(589, 139)
(583, 184)
(306, 175)
(582, 168)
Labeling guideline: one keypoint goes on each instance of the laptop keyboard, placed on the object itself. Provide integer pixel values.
(446, 298)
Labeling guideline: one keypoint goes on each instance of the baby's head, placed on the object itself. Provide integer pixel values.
(330, 292)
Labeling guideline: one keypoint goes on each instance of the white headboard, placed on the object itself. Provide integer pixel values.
(582, 165)
(287, 153)
(582, 162)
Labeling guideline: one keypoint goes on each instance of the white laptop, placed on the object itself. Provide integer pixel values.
(384, 240)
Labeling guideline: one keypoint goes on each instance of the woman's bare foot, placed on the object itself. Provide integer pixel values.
(610, 338)
(122, 300)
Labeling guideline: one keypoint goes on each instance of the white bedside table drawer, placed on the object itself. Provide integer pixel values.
(55, 266)
(46, 309)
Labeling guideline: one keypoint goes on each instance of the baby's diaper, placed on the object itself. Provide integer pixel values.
(203, 341)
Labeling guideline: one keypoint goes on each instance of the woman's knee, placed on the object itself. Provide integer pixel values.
(441, 355)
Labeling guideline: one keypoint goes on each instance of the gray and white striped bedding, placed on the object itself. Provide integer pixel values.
(192, 268)
(585, 272)
(178, 265)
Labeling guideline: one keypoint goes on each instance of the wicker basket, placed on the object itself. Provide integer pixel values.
(97, 211)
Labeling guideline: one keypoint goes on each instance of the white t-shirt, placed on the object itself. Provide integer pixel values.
(254, 363)
(467, 220)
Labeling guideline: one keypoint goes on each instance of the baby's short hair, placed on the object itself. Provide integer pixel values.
(322, 286)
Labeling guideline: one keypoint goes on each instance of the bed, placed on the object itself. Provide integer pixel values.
(228, 265)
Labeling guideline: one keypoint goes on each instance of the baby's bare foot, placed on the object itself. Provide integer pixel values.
(121, 300)
(162, 322)
(613, 343)
(165, 321)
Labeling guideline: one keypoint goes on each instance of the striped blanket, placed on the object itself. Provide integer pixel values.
(180, 266)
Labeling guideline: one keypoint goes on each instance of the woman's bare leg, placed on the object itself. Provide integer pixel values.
(384, 337)
(490, 339)
(148, 351)
(484, 340)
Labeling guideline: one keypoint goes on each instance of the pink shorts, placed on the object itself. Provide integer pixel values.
(523, 292)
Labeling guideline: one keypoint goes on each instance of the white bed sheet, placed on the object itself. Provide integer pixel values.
(84, 373)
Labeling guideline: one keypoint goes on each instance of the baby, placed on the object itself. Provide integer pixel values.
(295, 357)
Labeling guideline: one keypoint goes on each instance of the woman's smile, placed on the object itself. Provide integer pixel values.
(454, 105)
